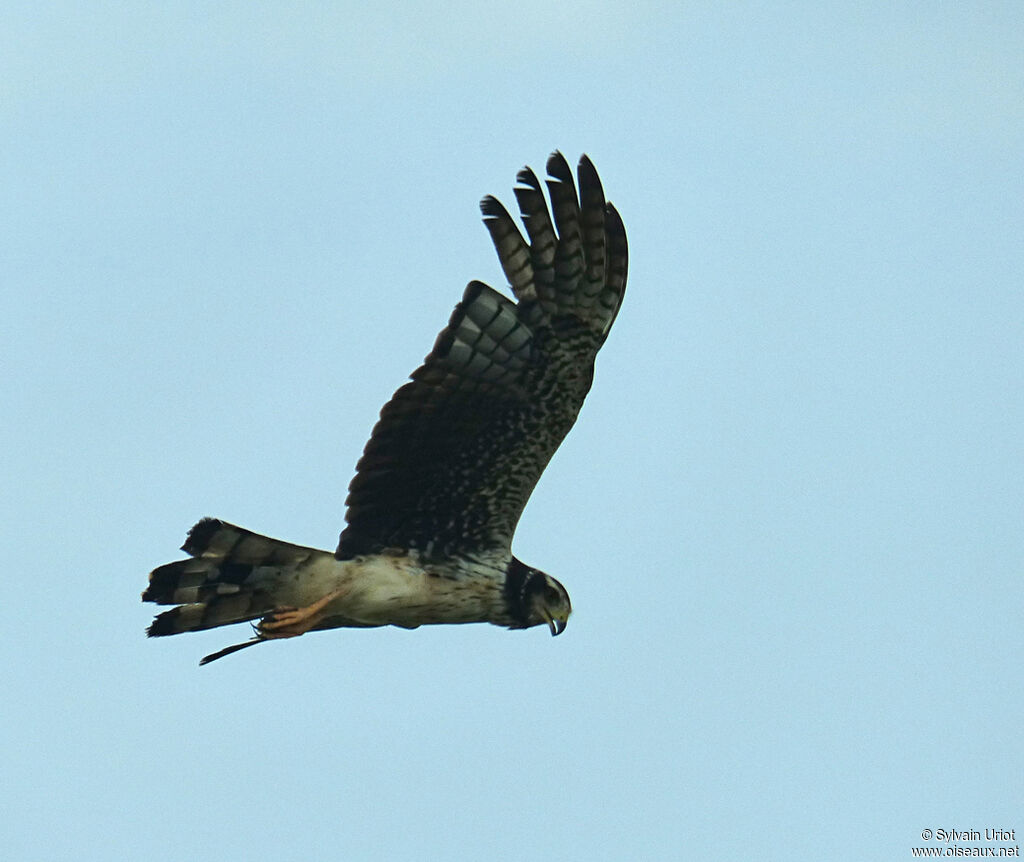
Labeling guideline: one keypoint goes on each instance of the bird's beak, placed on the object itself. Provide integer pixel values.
(556, 624)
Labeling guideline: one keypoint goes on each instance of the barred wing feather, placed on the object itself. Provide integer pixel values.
(458, 450)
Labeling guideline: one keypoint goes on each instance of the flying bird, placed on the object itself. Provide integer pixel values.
(453, 459)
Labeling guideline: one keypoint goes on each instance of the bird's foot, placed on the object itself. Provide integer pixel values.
(292, 622)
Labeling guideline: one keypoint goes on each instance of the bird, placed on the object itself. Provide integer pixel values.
(453, 458)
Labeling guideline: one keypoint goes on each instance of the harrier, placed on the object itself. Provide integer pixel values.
(455, 456)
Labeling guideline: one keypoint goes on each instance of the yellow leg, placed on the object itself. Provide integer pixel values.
(292, 622)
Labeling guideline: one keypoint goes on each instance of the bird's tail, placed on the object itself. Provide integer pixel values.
(233, 575)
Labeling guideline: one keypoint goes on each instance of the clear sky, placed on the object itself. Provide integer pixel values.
(790, 516)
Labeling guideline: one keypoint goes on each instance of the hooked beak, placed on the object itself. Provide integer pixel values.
(557, 625)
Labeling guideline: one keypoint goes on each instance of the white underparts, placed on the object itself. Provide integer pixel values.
(394, 590)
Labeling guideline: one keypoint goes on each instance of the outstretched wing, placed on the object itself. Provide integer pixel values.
(458, 450)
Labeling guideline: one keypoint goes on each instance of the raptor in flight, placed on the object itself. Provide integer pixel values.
(455, 456)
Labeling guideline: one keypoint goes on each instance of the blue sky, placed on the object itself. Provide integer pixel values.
(789, 517)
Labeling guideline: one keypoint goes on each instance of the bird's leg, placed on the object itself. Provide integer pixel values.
(292, 622)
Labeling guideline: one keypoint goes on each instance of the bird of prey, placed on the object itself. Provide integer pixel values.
(453, 459)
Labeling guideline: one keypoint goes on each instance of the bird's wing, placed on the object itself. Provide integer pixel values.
(459, 449)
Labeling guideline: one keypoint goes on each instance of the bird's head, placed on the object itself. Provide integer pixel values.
(534, 597)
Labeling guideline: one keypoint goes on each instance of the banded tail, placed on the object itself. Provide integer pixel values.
(233, 576)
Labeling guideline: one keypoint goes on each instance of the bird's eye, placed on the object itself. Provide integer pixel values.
(551, 594)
